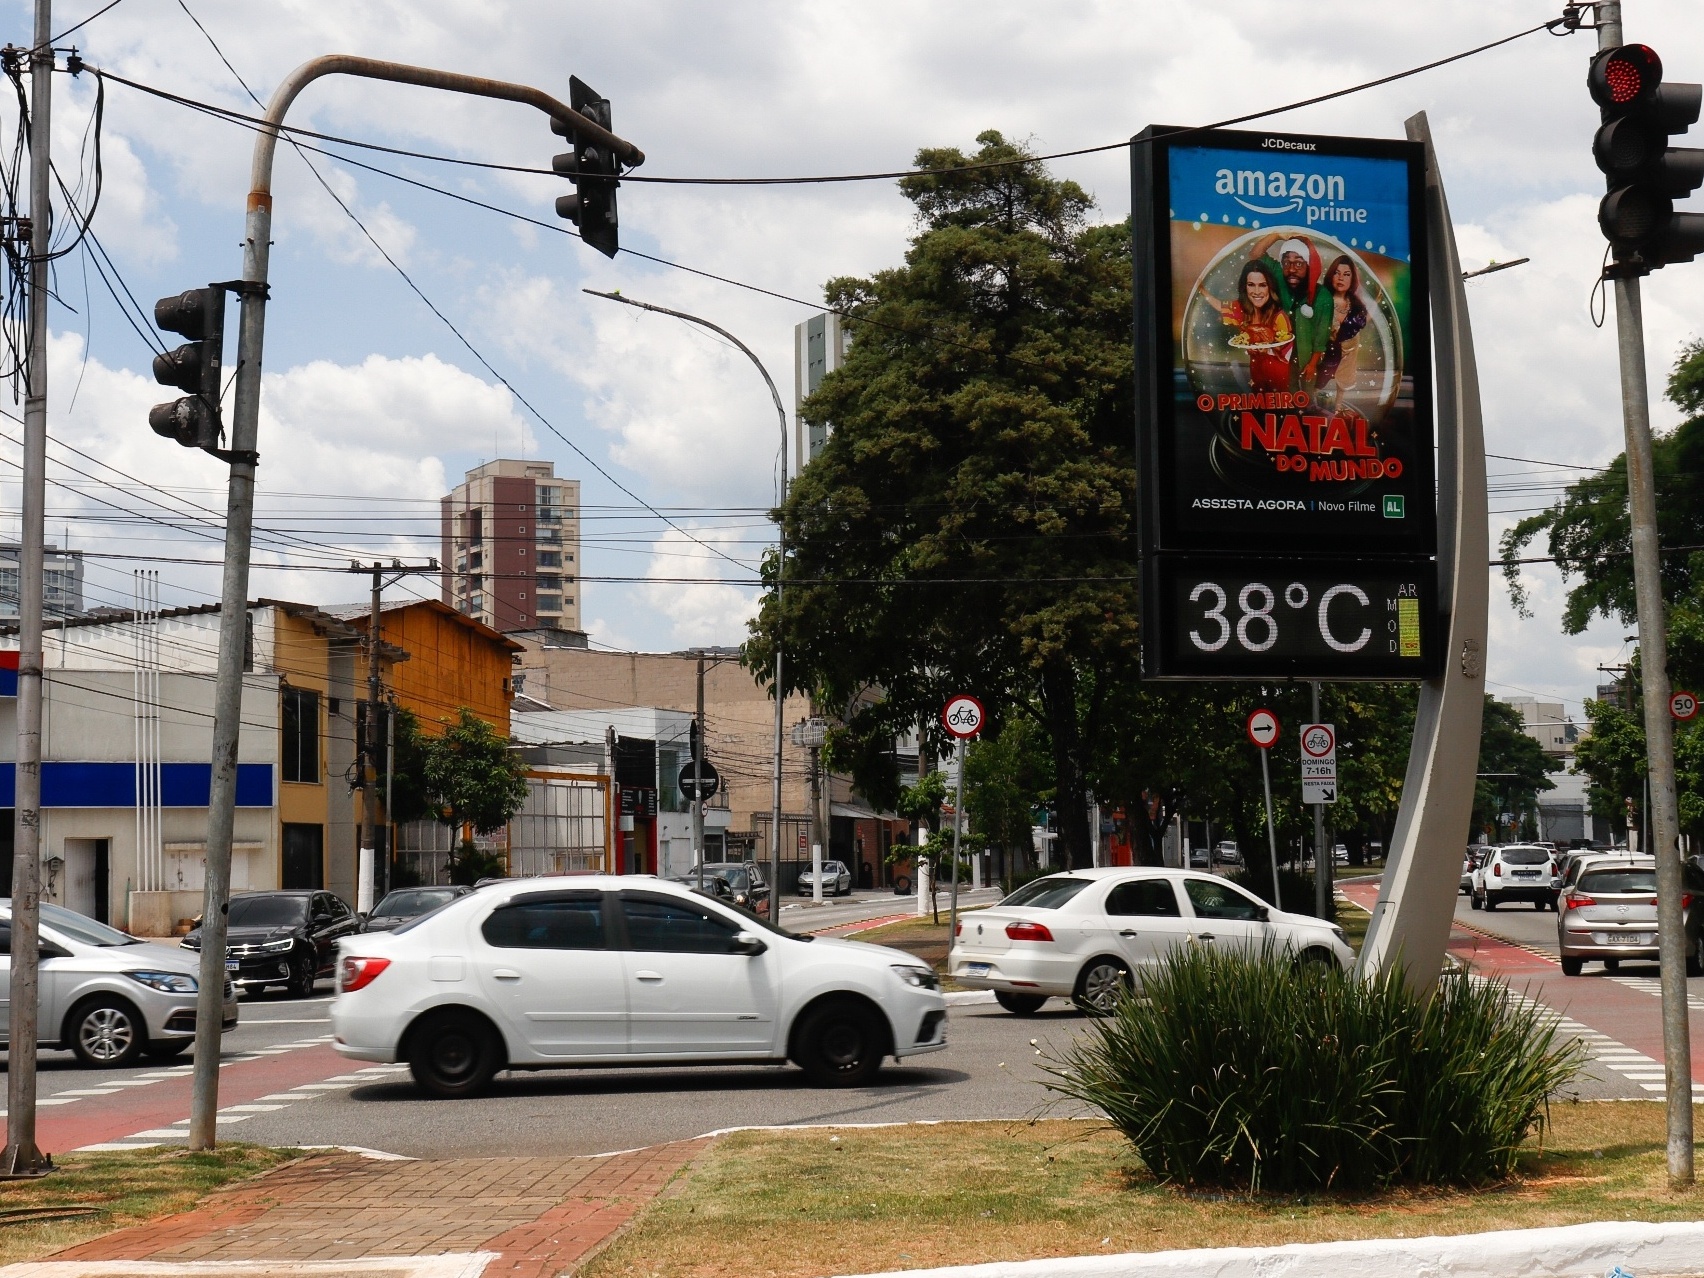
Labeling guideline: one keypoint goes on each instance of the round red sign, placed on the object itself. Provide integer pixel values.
(1263, 728)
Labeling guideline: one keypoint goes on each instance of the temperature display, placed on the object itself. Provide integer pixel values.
(1287, 618)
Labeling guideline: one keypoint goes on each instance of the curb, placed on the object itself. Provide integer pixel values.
(1536, 1253)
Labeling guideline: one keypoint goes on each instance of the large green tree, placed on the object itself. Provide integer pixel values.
(1512, 772)
(967, 525)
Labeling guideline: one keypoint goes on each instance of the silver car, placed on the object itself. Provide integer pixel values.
(1609, 912)
(106, 995)
(836, 880)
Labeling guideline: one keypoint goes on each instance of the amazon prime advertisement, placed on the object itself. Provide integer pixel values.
(1284, 388)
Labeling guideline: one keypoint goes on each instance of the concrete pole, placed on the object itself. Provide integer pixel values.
(239, 516)
(1323, 863)
(958, 827)
(698, 779)
(21, 1157)
(817, 825)
(1662, 818)
(1271, 828)
(367, 865)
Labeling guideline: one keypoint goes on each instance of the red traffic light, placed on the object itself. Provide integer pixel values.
(1623, 78)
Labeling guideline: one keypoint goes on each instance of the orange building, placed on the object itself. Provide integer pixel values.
(452, 661)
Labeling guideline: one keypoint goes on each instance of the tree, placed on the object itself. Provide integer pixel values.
(472, 781)
(1612, 755)
(1512, 770)
(1006, 777)
(966, 526)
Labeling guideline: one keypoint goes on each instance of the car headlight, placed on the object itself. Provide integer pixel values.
(191, 942)
(278, 947)
(1339, 934)
(165, 982)
(922, 978)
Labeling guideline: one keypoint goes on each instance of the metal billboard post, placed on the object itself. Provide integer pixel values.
(1417, 898)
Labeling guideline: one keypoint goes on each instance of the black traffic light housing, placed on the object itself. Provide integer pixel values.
(194, 421)
(1646, 175)
(593, 168)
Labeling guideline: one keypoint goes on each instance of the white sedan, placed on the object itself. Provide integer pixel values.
(1090, 935)
(549, 973)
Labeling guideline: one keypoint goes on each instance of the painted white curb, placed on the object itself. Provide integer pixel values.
(469, 1264)
(1571, 1251)
(958, 998)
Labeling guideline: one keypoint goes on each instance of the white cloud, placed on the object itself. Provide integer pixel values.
(709, 611)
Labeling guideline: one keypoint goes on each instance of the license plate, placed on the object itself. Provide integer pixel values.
(233, 965)
(1526, 874)
(977, 969)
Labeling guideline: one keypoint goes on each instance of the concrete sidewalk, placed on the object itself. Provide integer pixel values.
(327, 1213)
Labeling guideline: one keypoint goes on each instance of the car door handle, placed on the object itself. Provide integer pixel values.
(1205, 936)
(505, 974)
(649, 976)
(1127, 932)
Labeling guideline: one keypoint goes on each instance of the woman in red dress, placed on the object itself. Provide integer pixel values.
(1262, 327)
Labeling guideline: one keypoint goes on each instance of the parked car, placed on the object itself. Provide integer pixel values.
(1516, 872)
(836, 880)
(1090, 935)
(1227, 853)
(1608, 913)
(715, 886)
(406, 903)
(1340, 854)
(106, 995)
(746, 879)
(1200, 858)
(286, 938)
(1469, 863)
(611, 970)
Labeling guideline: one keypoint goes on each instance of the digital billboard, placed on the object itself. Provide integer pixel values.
(1284, 397)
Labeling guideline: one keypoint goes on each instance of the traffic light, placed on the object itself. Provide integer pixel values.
(593, 168)
(194, 367)
(1646, 175)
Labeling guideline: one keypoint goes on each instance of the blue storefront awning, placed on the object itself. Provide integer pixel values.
(113, 785)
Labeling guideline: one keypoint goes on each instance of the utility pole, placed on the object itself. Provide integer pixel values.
(1661, 839)
(371, 874)
(818, 825)
(22, 1158)
(239, 510)
(1324, 865)
(698, 779)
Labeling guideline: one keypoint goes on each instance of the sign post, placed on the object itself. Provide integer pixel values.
(962, 716)
(1262, 729)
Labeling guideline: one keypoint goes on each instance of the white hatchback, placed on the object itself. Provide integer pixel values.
(603, 970)
(1090, 935)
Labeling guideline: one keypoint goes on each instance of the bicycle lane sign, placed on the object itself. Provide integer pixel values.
(1319, 763)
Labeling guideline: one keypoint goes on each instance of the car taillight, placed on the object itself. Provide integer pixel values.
(358, 973)
(958, 929)
(1686, 900)
(1028, 932)
(1576, 901)
(1497, 869)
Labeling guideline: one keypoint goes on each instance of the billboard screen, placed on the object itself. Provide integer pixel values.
(1284, 393)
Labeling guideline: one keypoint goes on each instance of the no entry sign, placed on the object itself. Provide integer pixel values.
(1263, 729)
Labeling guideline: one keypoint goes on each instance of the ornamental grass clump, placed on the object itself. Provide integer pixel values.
(1244, 1071)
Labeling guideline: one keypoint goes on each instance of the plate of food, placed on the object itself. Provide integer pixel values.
(1240, 342)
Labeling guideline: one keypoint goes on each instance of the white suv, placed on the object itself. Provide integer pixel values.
(1516, 872)
(1090, 935)
(604, 970)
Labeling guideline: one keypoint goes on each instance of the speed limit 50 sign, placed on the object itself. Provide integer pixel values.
(1683, 705)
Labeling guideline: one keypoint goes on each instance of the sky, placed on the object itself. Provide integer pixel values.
(379, 393)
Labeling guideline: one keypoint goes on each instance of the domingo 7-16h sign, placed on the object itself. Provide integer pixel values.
(1284, 407)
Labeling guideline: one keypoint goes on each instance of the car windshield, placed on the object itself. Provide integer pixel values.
(80, 927)
(1611, 882)
(1046, 894)
(408, 903)
(738, 877)
(1525, 856)
(268, 911)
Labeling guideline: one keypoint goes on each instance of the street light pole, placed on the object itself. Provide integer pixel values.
(780, 576)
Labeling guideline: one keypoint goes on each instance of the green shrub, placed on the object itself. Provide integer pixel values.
(1237, 1070)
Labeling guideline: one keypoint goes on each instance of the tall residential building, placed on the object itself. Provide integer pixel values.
(819, 347)
(511, 547)
(62, 582)
(1547, 723)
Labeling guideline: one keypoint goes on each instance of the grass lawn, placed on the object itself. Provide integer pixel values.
(131, 1186)
(857, 1201)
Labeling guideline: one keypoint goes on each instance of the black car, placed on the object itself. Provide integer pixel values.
(286, 938)
(714, 885)
(744, 877)
(408, 903)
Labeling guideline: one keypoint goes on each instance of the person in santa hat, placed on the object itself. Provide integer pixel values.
(1295, 264)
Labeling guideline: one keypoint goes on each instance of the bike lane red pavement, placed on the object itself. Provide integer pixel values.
(97, 1119)
(1627, 1015)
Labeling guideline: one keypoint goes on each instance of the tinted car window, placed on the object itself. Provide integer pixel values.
(1609, 882)
(1047, 894)
(80, 927)
(1214, 900)
(562, 923)
(1151, 897)
(407, 904)
(268, 911)
(675, 927)
(1525, 856)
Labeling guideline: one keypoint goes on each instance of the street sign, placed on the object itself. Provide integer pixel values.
(1284, 407)
(1319, 763)
(1683, 705)
(712, 781)
(1262, 729)
(962, 716)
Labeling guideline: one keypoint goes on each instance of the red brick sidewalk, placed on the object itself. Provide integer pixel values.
(540, 1215)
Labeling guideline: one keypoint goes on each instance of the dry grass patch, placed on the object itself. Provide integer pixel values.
(130, 1186)
(856, 1201)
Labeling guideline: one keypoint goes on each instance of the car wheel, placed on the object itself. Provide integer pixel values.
(1474, 901)
(1695, 962)
(1490, 904)
(453, 1054)
(840, 1045)
(1572, 966)
(302, 976)
(107, 1033)
(167, 1049)
(1612, 965)
(1315, 960)
(1103, 982)
(1019, 1004)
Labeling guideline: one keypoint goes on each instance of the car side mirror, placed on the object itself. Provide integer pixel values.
(1262, 914)
(748, 943)
(362, 915)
